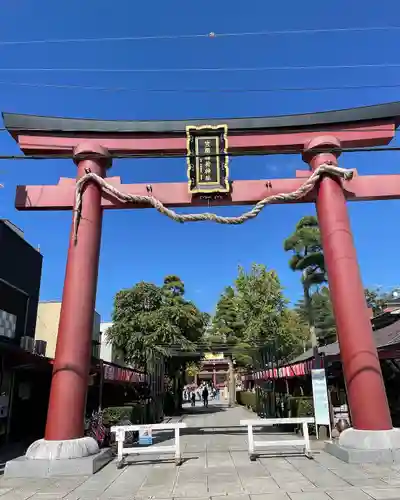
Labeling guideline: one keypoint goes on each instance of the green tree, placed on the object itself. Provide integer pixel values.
(135, 321)
(308, 258)
(173, 286)
(294, 334)
(227, 326)
(376, 300)
(260, 304)
(151, 321)
(148, 318)
(226, 333)
(193, 368)
(324, 319)
(253, 316)
(252, 321)
(325, 326)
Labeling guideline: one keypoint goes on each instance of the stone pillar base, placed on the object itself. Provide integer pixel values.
(57, 450)
(357, 446)
(72, 457)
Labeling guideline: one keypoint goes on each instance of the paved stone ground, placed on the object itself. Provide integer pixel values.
(217, 466)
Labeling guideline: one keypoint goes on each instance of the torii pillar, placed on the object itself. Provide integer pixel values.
(64, 436)
(372, 425)
(74, 340)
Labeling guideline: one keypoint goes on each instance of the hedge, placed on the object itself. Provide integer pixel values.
(135, 413)
(297, 406)
(248, 399)
(301, 406)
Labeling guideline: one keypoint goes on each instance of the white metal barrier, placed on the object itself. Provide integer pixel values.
(304, 441)
(120, 431)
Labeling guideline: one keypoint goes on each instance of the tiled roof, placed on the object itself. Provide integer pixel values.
(387, 336)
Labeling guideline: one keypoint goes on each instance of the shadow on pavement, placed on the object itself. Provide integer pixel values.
(202, 410)
(285, 454)
(230, 430)
(144, 461)
(162, 436)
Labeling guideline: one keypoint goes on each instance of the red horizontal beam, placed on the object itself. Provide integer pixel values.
(175, 194)
(369, 135)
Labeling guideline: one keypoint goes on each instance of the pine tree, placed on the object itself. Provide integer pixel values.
(308, 257)
(325, 327)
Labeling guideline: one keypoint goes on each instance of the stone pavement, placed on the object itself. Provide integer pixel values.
(217, 465)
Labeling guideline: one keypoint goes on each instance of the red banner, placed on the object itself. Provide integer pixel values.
(288, 371)
(120, 374)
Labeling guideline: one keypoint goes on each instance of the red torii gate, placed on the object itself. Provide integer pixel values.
(318, 137)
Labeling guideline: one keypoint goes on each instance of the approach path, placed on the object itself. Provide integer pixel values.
(217, 465)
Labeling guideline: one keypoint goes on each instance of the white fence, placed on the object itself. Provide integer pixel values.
(120, 431)
(304, 441)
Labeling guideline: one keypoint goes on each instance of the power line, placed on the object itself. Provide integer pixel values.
(202, 91)
(179, 155)
(199, 35)
(199, 70)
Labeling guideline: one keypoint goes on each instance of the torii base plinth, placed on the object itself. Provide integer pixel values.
(72, 457)
(363, 447)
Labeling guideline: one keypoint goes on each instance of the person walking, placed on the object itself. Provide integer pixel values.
(193, 398)
(205, 396)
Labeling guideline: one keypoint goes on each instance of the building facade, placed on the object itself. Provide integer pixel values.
(108, 352)
(214, 369)
(48, 318)
(24, 376)
(20, 275)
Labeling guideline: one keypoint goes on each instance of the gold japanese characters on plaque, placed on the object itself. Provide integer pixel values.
(207, 158)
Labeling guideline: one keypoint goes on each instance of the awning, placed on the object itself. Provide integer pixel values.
(287, 371)
(117, 373)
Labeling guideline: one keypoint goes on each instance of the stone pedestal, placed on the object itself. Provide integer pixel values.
(359, 446)
(71, 457)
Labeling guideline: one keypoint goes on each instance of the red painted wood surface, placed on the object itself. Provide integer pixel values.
(361, 368)
(71, 366)
(352, 135)
(61, 197)
(74, 341)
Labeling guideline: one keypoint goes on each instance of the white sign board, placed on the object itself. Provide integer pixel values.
(320, 397)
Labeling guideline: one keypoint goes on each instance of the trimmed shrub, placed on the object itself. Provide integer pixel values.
(135, 413)
(301, 407)
(114, 414)
(248, 399)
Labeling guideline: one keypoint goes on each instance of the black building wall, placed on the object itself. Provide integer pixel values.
(20, 274)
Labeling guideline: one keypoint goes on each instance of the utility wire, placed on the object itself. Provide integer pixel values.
(203, 91)
(199, 70)
(200, 35)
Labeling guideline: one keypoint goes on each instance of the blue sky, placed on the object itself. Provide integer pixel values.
(143, 245)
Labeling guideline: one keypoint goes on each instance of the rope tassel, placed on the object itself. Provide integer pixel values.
(304, 189)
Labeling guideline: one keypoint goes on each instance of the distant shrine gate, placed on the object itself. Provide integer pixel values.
(318, 137)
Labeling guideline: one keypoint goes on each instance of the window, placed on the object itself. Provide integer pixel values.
(8, 323)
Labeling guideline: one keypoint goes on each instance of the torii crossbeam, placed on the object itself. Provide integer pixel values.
(318, 137)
